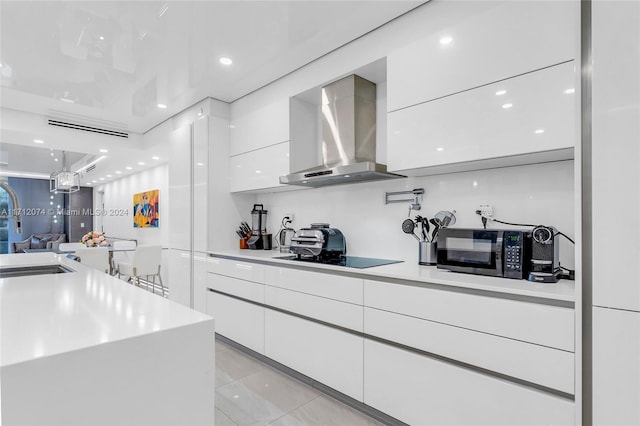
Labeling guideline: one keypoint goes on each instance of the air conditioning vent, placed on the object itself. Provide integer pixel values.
(90, 168)
(88, 128)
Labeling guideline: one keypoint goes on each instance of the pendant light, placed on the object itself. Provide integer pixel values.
(64, 181)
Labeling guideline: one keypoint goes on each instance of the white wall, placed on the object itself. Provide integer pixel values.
(534, 194)
(118, 196)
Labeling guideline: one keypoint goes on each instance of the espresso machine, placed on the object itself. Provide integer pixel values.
(259, 239)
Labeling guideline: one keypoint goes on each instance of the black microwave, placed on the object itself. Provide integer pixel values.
(494, 252)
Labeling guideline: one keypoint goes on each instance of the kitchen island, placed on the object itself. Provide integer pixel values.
(83, 348)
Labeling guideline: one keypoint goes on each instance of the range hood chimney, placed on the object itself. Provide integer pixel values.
(348, 145)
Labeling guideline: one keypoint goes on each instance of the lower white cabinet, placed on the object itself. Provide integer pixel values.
(616, 367)
(180, 276)
(330, 356)
(239, 321)
(420, 390)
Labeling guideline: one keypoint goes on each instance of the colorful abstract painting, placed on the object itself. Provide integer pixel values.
(145, 209)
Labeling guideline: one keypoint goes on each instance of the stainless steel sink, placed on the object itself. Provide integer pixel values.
(23, 271)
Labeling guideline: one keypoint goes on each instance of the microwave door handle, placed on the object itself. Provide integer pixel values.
(499, 256)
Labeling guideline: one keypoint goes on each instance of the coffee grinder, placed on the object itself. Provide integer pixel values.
(259, 237)
(545, 251)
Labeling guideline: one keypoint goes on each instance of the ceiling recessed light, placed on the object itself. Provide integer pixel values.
(507, 106)
(118, 172)
(128, 167)
(226, 61)
(569, 91)
(88, 183)
(199, 164)
(162, 106)
(55, 159)
(347, 176)
(38, 141)
(539, 131)
(101, 178)
(446, 40)
(501, 92)
(155, 157)
(140, 163)
(258, 171)
(440, 149)
(52, 152)
(94, 181)
(104, 151)
(101, 37)
(109, 175)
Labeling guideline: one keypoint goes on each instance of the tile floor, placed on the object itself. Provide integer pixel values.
(249, 392)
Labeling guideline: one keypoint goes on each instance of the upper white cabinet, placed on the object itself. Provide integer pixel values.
(259, 169)
(525, 119)
(616, 153)
(507, 40)
(257, 127)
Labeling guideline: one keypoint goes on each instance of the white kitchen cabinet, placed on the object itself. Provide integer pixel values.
(235, 287)
(616, 367)
(248, 271)
(616, 154)
(188, 212)
(545, 325)
(200, 169)
(180, 276)
(328, 310)
(508, 39)
(330, 356)
(200, 281)
(182, 269)
(549, 367)
(337, 287)
(466, 130)
(259, 169)
(258, 127)
(179, 171)
(420, 390)
(239, 321)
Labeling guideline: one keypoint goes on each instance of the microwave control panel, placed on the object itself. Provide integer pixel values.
(517, 254)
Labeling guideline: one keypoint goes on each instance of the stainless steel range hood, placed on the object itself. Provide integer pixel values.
(348, 145)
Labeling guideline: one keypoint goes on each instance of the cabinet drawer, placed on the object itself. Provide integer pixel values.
(236, 269)
(548, 367)
(424, 391)
(328, 310)
(345, 289)
(245, 289)
(501, 42)
(535, 115)
(330, 356)
(239, 321)
(551, 326)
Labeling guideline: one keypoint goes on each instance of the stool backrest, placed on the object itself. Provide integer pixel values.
(94, 257)
(71, 246)
(147, 260)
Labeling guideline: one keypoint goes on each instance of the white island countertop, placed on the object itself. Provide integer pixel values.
(564, 290)
(44, 315)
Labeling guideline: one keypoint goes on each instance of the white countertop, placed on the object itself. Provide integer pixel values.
(44, 315)
(564, 290)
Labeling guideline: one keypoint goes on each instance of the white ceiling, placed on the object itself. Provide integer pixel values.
(111, 63)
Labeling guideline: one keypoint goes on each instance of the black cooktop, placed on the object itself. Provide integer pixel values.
(347, 261)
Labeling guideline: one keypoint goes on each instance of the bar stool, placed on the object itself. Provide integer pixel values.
(145, 262)
(94, 257)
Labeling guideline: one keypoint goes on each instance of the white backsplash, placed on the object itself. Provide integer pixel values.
(539, 194)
